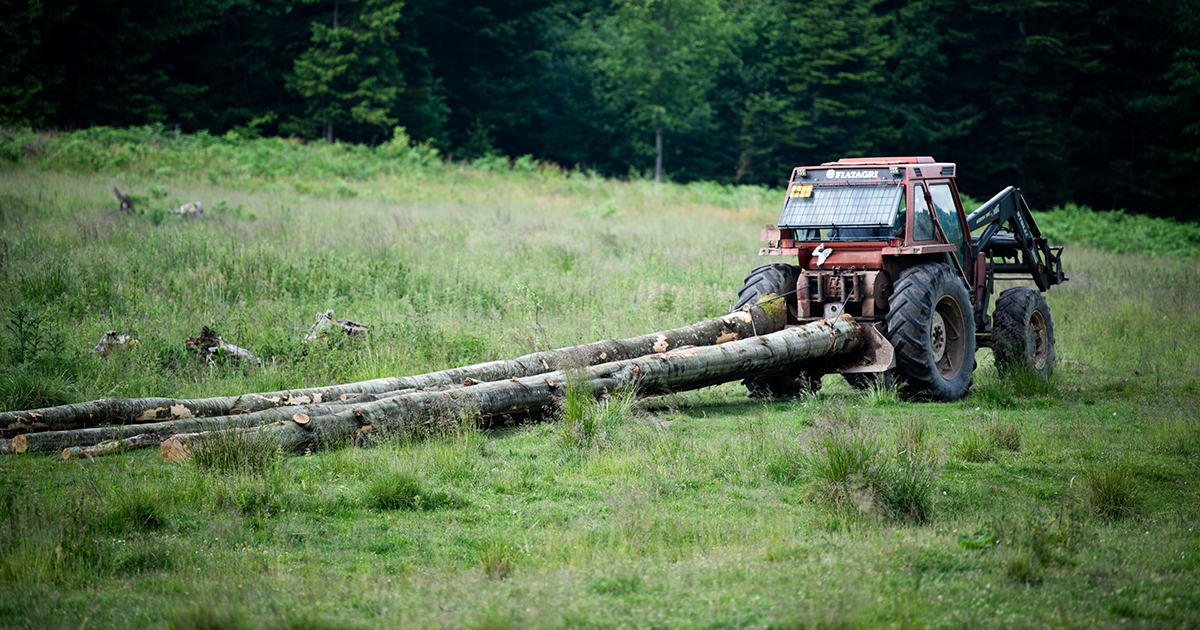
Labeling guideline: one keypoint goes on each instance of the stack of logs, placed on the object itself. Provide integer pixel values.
(739, 345)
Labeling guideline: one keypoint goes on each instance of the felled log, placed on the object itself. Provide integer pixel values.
(653, 374)
(211, 345)
(44, 441)
(758, 320)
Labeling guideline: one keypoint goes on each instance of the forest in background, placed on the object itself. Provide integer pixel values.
(1090, 101)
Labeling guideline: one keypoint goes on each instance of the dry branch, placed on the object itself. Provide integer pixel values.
(125, 411)
(125, 200)
(212, 345)
(326, 323)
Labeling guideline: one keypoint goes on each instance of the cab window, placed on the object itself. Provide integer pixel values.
(922, 220)
(947, 217)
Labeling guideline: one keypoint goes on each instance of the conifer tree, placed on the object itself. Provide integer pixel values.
(351, 73)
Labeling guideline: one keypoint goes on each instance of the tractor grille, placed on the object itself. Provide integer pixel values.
(843, 206)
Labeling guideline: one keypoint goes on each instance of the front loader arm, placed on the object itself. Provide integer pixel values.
(1037, 258)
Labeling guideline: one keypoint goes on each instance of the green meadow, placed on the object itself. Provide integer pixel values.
(1068, 503)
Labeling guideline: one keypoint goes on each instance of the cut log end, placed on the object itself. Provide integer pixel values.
(300, 419)
(20, 443)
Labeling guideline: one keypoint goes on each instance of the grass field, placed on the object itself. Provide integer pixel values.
(1073, 503)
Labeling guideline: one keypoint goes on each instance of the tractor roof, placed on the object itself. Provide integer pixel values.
(928, 168)
(924, 159)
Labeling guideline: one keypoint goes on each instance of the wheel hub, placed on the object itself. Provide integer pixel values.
(937, 337)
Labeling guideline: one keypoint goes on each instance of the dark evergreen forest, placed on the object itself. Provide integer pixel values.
(1091, 101)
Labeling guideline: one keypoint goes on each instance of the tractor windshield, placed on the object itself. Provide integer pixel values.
(844, 212)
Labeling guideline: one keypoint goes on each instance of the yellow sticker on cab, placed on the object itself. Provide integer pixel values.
(802, 191)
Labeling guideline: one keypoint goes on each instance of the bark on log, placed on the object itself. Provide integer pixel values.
(679, 370)
(44, 441)
(111, 447)
(758, 320)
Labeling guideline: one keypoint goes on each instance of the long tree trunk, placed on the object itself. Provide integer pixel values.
(658, 150)
(678, 370)
(43, 441)
(763, 319)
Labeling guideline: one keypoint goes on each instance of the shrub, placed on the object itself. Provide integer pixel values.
(1033, 539)
(1023, 568)
(1110, 490)
(210, 615)
(1117, 232)
(1177, 437)
(883, 392)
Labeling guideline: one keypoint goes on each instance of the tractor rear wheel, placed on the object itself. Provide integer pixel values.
(780, 280)
(1023, 333)
(931, 324)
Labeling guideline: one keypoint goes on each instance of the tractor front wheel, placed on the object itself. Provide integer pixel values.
(930, 323)
(1023, 333)
(779, 280)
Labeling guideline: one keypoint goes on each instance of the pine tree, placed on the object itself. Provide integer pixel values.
(351, 73)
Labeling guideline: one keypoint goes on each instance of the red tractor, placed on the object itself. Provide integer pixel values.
(886, 240)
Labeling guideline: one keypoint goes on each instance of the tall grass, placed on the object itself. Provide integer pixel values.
(1110, 490)
(850, 466)
(234, 451)
(584, 421)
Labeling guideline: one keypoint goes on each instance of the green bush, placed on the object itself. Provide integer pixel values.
(1120, 233)
(497, 558)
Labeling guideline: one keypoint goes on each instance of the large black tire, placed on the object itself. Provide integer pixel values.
(1023, 332)
(778, 279)
(931, 324)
